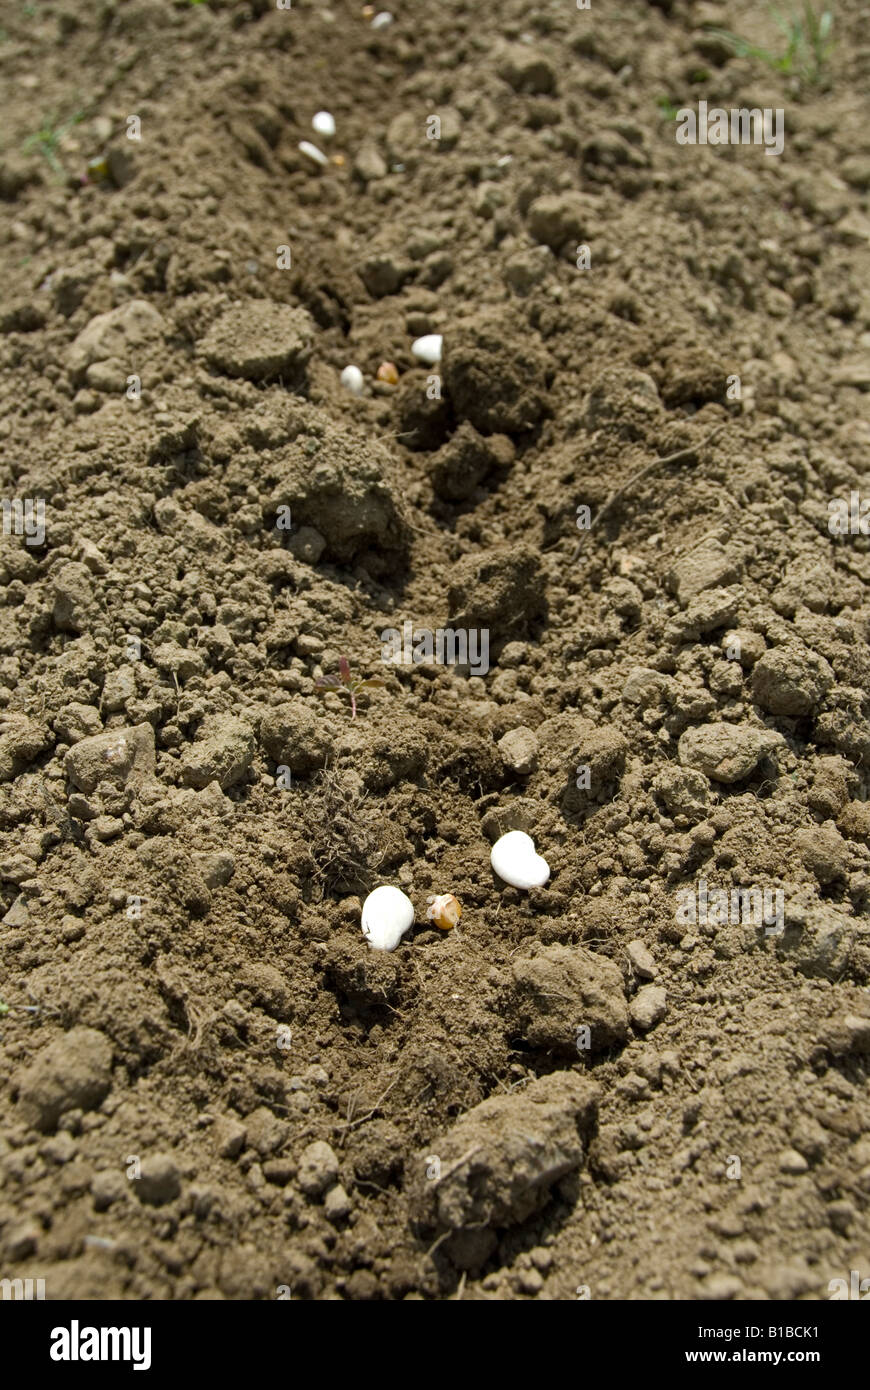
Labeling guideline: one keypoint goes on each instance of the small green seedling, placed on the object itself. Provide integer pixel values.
(808, 43)
(345, 681)
(668, 108)
(25, 1008)
(48, 140)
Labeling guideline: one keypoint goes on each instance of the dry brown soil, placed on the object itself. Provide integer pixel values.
(211, 1086)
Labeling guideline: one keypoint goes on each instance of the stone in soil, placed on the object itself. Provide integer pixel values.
(120, 334)
(648, 1007)
(318, 1169)
(519, 751)
(114, 756)
(641, 960)
(708, 566)
(726, 753)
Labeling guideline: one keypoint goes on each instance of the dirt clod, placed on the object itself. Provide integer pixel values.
(561, 991)
(498, 1164)
(72, 1073)
(258, 341)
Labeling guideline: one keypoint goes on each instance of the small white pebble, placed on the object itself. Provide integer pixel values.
(324, 123)
(99, 1242)
(353, 380)
(382, 20)
(312, 152)
(428, 348)
(386, 915)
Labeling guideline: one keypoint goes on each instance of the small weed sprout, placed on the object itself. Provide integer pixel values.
(25, 1008)
(47, 140)
(345, 681)
(668, 108)
(808, 43)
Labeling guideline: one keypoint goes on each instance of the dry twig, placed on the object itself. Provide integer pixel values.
(681, 456)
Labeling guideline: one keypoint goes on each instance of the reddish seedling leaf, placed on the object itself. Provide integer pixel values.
(346, 681)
